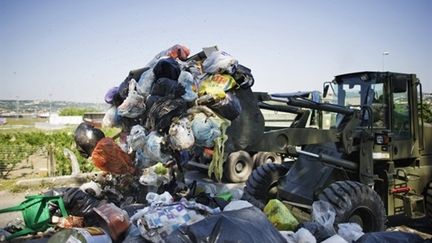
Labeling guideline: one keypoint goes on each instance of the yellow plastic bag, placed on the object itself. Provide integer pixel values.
(216, 85)
(280, 216)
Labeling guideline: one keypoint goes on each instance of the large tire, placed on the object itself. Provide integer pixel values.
(238, 167)
(266, 157)
(428, 200)
(260, 183)
(357, 203)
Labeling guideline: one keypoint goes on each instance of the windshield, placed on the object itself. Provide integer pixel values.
(357, 92)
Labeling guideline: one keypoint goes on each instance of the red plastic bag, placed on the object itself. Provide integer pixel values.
(109, 157)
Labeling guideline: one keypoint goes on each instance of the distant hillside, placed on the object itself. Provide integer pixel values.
(42, 106)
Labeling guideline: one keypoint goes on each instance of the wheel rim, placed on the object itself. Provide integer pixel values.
(270, 159)
(363, 217)
(239, 166)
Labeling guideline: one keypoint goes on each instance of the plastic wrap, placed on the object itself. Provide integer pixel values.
(324, 214)
(350, 231)
(134, 104)
(220, 62)
(181, 135)
(153, 148)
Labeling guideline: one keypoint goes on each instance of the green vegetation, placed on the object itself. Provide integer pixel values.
(16, 146)
(75, 111)
(427, 112)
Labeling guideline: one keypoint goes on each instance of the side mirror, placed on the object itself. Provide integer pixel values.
(326, 87)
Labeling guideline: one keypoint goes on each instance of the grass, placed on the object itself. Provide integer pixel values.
(11, 186)
(25, 121)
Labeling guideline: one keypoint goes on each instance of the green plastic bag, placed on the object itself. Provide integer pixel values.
(280, 216)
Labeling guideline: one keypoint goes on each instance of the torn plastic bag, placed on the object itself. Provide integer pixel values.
(166, 68)
(217, 85)
(145, 82)
(180, 134)
(136, 138)
(188, 82)
(229, 107)
(133, 75)
(111, 118)
(205, 129)
(154, 148)
(109, 157)
(177, 51)
(244, 225)
(151, 99)
(162, 111)
(86, 137)
(134, 104)
(280, 216)
(158, 221)
(166, 86)
(220, 62)
(400, 237)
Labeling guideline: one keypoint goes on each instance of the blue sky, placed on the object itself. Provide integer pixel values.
(77, 50)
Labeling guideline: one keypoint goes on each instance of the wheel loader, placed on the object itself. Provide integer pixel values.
(373, 160)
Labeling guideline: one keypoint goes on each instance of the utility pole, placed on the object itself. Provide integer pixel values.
(17, 106)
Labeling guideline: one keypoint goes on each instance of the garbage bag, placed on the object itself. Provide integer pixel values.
(350, 231)
(156, 222)
(300, 236)
(162, 111)
(134, 104)
(205, 129)
(113, 97)
(217, 85)
(136, 138)
(400, 237)
(154, 148)
(187, 80)
(181, 135)
(220, 62)
(86, 137)
(166, 86)
(243, 76)
(151, 99)
(324, 214)
(145, 82)
(319, 231)
(244, 225)
(229, 107)
(167, 68)
(79, 203)
(280, 216)
(109, 157)
(111, 118)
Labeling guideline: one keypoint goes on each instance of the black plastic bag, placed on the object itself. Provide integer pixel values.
(166, 86)
(162, 111)
(167, 68)
(398, 237)
(229, 107)
(244, 225)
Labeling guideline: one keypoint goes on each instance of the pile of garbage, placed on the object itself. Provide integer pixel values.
(176, 108)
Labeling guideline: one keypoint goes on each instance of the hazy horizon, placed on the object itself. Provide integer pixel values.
(77, 50)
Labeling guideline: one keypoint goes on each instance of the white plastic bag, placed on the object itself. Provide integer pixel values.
(111, 118)
(220, 62)
(350, 231)
(153, 148)
(324, 214)
(205, 129)
(136, 138)
(181, 135)
(134, 104)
